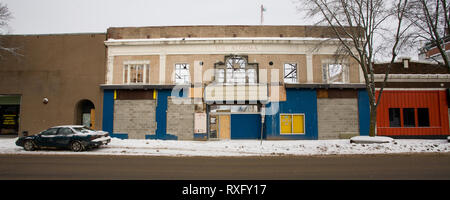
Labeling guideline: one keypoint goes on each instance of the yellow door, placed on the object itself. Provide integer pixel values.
(224, 127)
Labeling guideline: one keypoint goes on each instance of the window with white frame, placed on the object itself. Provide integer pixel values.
(136, 72)
(335, 73)
(182, 74)
(290, 73)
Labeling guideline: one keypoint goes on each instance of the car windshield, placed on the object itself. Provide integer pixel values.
(83, 129)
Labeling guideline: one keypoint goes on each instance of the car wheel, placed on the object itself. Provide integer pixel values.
(28, 145)
(76, 146)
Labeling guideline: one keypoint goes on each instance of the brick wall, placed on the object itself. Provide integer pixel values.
(337, 116)
(135, 117)
(180, 120)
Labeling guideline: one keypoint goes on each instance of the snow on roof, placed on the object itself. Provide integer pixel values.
(228, 39)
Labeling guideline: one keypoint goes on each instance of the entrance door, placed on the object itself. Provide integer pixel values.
(9, 114)
(224, 127)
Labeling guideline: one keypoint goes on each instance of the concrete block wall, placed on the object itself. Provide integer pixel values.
(337, 116)
(135, 118)
(180, 119)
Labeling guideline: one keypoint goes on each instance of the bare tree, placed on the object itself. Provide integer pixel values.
(430, 19)
(357, 24)
(5, 16)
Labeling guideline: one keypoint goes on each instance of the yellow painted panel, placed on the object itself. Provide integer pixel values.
(93, 118)
(286, 124)
(299, 124)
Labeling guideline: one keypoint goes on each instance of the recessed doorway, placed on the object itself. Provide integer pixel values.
(85, 113)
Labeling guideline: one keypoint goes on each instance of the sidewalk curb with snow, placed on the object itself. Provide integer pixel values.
(242, 148)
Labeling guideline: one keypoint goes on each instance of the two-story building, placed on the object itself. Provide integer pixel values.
(231, 82)
(54, 80)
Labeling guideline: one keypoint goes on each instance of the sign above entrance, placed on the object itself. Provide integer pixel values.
(222, 93)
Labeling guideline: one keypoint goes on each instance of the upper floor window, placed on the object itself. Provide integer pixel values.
(335, 73)
(135, 73)
(182, 75)
(236, 69)
(290, 73)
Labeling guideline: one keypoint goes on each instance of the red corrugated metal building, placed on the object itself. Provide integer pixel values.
(415, 112)
(414, 102)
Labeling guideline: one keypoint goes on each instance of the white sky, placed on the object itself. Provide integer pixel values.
(81, 16)
(78, 16)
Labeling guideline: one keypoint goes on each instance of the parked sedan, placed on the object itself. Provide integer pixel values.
(74, 137)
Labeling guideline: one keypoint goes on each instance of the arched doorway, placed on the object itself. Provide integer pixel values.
(85, 113)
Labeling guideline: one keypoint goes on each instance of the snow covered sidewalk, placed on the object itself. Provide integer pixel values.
(241, 147)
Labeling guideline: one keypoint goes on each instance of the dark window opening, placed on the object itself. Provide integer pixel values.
(394, 117)
(409, 117)
(424, 117)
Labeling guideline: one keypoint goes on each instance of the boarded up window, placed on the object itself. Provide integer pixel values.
(292, 124)
(134, 94)
(298, 126)
(286, 124)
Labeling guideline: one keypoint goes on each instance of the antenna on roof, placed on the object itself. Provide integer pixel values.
(262, 13)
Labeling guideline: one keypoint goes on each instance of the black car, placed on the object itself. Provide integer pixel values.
(74, 137)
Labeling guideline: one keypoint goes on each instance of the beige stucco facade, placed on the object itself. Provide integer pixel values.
(262, 52)
(64, 68)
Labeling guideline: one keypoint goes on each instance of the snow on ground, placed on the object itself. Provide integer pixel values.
(241, 147)
(369, 139)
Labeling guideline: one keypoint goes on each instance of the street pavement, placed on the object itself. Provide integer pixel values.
(428, 166)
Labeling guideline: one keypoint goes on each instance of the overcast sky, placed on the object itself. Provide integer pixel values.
(82, 16)
(79, 16)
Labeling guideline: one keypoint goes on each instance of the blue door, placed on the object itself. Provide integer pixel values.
(245, 126)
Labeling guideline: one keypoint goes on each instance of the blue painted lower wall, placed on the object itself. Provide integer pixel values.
(248, 126)
(108, 115)
(297, 101)
(161, 117)
(245, 126)
(363, 112)
(108, 111)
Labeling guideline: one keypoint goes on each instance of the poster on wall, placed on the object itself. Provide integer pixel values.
(9, 119)
(200, 123)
